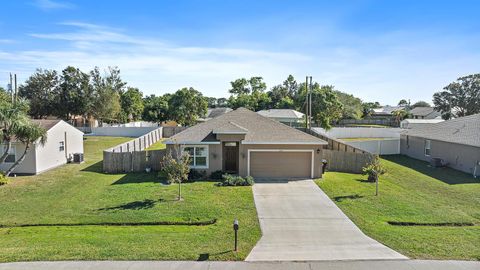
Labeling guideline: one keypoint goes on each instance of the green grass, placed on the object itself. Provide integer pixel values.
(158, 145)
(412, 191)
(362, 139)
(80, 193)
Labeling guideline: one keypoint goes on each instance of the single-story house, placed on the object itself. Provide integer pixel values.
(286, 116)
(413, 123)
(386, 111)
(425, 113)
(214, 112)
(246, 143)
(63, 140)
(456, 142)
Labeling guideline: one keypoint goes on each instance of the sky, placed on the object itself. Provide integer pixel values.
(377, 50)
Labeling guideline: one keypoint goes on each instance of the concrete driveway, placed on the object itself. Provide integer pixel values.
(300, 223)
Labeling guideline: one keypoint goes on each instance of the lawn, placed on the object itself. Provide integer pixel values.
(81, 194)
(413, 192)
(158, 145)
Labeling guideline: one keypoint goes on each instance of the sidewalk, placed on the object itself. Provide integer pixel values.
(188, 265)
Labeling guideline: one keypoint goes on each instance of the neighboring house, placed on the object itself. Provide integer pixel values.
(286, 116)
(245, 143)
(425, 113)
(214, 112)
(63, 140)
(385, 111)
(414, 123)
(456, 142)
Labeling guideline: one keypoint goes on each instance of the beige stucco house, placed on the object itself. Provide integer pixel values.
(63, 140)
(246, 143)
(456, 142)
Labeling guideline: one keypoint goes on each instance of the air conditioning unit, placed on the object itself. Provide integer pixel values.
(78, 157)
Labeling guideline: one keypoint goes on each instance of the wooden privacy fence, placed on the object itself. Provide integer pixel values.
(132, 157)
(340, 161)
(138, 161)
(342, 157)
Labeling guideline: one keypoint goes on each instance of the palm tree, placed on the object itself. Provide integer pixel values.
(400, 115)
(12, 117)
(28, 134)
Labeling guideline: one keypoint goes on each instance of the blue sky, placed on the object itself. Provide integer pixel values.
(377, 50)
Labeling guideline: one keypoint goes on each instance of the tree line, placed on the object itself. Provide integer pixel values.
(105, 96)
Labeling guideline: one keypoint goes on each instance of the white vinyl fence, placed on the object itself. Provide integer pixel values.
(378, 147)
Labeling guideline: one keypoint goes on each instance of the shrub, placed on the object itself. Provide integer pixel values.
(3, 179)
(217, 175)
(232, 180)
(196, 175)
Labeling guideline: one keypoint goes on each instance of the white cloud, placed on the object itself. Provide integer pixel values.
(386, 67)
(154, 65)
(47, 5)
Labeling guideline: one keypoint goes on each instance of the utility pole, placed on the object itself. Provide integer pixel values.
(10, 87)
(306, 102)
(310, 103)
(15, 76)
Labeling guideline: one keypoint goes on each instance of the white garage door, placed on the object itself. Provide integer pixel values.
(281, 164)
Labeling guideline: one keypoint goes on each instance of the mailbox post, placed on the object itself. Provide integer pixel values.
(235, 228)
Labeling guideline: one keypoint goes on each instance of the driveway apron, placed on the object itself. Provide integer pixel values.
(300, 223)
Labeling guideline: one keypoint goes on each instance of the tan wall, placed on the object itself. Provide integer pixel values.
(459, 157)
(216, 163)
(214, 157)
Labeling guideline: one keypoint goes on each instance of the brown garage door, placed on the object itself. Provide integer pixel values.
(280, 164)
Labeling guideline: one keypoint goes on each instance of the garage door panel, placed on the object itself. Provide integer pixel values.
(280, 164)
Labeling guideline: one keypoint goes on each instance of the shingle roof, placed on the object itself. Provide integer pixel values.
(46, 124)
(463, 130)
(281, 113)
(260, 129)
(230, 128)
(424, 111)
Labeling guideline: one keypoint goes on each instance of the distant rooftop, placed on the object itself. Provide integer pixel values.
(281, 113)
(425, 111)
(387, 109)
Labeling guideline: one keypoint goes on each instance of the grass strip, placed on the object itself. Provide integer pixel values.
(158, 223)
(435, 224)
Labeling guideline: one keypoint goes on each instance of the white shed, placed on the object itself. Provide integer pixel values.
(63, 140)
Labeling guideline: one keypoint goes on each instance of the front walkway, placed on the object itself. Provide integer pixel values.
(175, 265)
(300, 223)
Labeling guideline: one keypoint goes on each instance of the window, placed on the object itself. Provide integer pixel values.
(428, 144)
(11, 158)
(198, 155)
(62, 146)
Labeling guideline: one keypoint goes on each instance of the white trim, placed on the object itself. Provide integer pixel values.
(191, 143)
(297, 143)
(283, 150)
(194, 160)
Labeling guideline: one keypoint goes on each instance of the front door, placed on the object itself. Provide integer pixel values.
(230, 157)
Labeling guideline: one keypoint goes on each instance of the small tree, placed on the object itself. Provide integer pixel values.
(374, 169)
(176, 166)
(28, 134)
